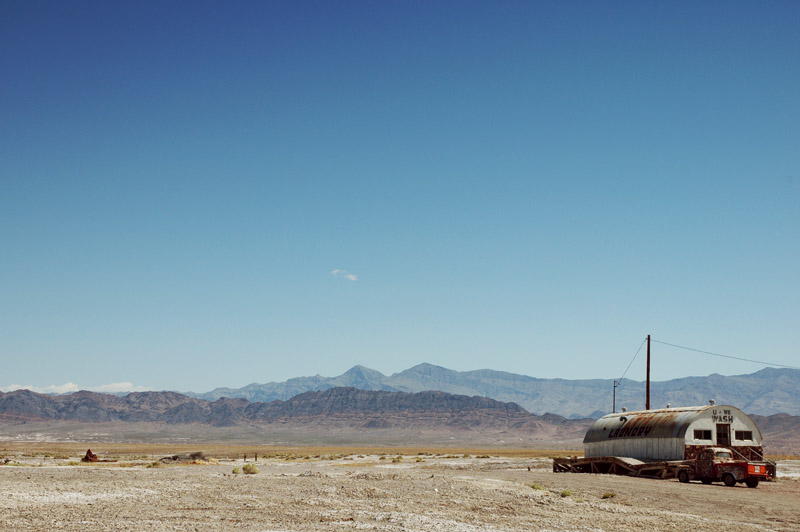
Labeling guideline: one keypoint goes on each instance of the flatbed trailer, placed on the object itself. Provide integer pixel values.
(617, 465)
(685, 470)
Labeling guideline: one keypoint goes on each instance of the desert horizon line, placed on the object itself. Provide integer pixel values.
(129, 387)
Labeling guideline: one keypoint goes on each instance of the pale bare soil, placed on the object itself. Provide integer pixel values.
(317, 491)
(279, 434)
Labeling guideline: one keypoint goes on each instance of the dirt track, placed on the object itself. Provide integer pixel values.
(366, 493)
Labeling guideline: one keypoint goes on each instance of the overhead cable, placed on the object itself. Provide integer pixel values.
(720, 355)
(634, 358)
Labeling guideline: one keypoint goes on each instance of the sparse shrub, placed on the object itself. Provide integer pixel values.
(381, 457)
(419, 459)
(567, 493)
(249, 469)
(483, 456)
(536, 486)
(73, 463)
(154, 464)
(236, 470)
(466, 456)
(396, 459)
(608, 495)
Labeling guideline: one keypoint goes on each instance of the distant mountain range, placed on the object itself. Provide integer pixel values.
(766, 392)
(341, 407)
(337, 414)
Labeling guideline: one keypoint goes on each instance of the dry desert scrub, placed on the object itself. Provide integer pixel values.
(340, 495)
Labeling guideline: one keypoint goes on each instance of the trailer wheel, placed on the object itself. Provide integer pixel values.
(729, 480)
(751, 482)
(683, 475)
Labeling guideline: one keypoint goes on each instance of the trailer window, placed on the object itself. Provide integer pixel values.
(702, 434)
(743, 434)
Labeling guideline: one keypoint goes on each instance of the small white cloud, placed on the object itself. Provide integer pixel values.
(116, 387)
(119, 387)
(53, 388)
(344, 274)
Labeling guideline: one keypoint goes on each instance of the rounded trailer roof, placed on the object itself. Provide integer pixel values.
(664, 423)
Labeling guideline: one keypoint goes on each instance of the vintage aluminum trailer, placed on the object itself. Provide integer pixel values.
(655, 442)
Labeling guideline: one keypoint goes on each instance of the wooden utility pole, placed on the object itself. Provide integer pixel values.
(647, 403)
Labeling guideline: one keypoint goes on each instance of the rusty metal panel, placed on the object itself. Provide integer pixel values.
(671, 423)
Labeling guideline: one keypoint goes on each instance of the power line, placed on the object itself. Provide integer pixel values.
(718, 355)
(634, 358)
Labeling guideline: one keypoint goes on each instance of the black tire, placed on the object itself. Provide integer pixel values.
(751, 482)
(705, 480)
(683, 475)
(729, 480)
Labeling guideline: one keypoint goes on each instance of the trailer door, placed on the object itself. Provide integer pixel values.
(723, 434)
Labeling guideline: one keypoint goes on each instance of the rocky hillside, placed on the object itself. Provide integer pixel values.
(336, 414)
(342, 407)
(781, 432)
(766, 392)
(24, 405)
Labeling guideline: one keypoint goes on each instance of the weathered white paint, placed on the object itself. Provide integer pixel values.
(650, 435)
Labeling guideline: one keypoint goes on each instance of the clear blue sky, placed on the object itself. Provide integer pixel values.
(201, 194)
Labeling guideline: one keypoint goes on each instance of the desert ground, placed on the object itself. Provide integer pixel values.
(313, 488)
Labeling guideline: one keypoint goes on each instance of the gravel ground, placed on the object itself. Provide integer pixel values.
(426, 493)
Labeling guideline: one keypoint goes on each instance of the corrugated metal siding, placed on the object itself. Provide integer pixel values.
(659, 434)
(670, 423)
